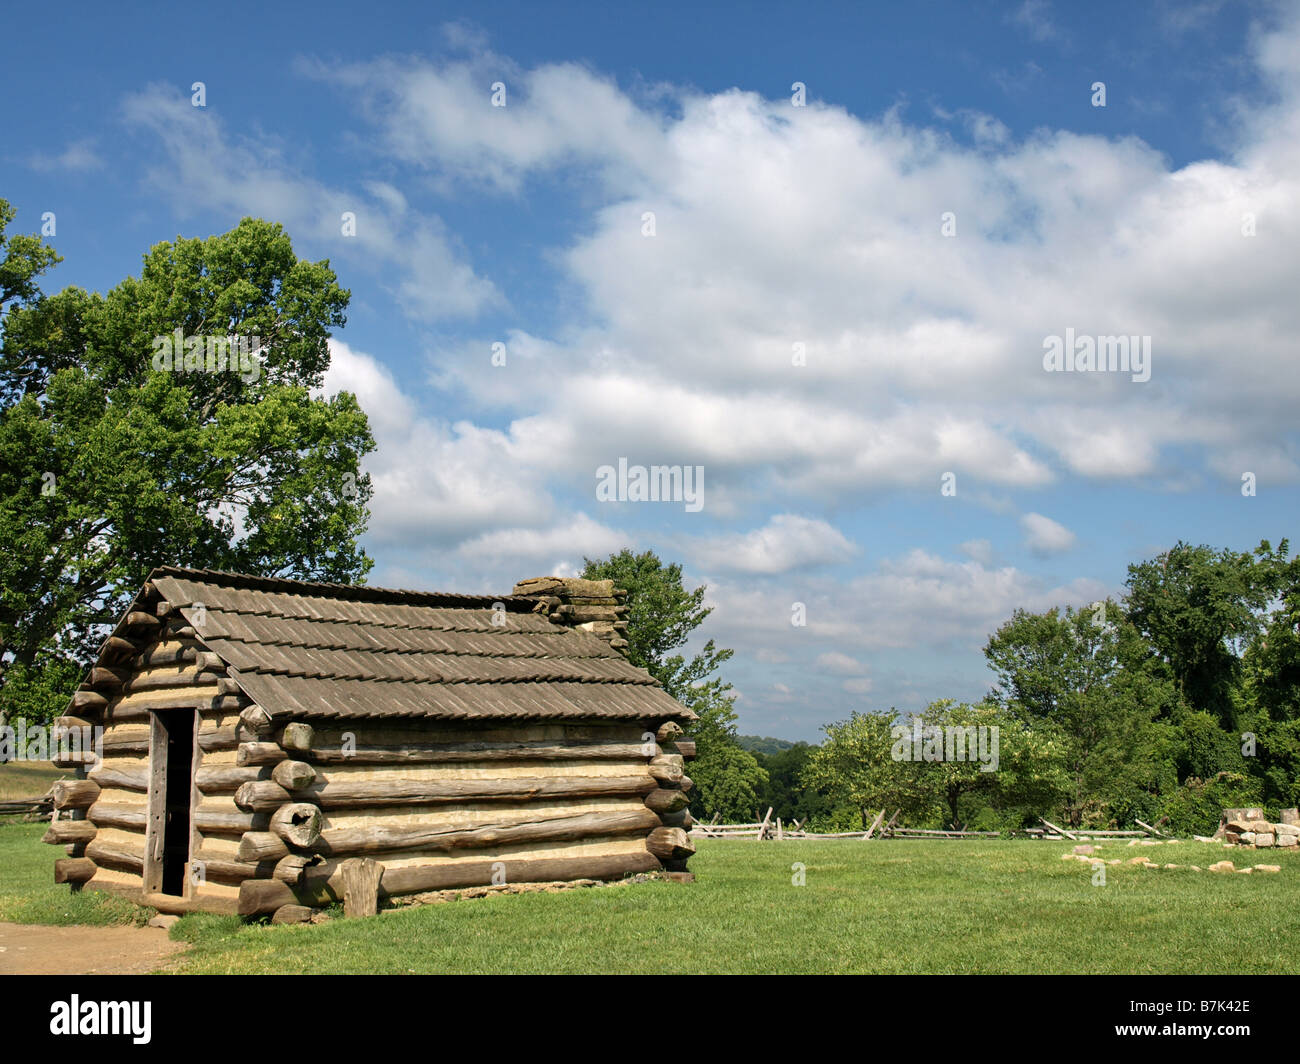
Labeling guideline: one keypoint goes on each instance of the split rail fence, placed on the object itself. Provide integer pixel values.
(777, 831)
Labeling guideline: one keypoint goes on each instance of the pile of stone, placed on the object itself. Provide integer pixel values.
(1247, 827)
(594, 606)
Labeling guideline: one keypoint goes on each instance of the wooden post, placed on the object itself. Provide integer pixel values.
(361, 878)
(1148, 827)
(874, 824)
(762, 831)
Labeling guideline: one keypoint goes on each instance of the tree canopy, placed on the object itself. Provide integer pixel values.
(114, 461)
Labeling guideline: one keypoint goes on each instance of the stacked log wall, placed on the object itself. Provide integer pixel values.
(153, 662)
(442, 806)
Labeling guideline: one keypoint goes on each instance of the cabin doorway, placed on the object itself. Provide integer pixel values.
(172, 753)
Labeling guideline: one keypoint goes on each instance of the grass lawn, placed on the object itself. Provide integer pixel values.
(889, 906)
(29, 779)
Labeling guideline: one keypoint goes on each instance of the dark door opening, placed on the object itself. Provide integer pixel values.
(178, 786)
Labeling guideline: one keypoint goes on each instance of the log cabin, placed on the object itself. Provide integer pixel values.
(274, 746)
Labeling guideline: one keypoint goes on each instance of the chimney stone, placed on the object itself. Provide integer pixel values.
(594, 606)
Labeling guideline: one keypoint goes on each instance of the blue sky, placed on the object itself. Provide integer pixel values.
(1169, 213)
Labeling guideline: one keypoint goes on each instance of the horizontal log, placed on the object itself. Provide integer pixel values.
(439, 753)
(86, 759)
(261, 796)
(258, 897)
(140, 619)
(262, 846)
(256, 719)
(215, 739)
(216, 821)
(667, 801)
(669, 844)
(63, 832)
(680, 819)
(291, 868)
(172, 654)
(379, 838)
(167, 903)
(127, 778)
(88, 700)
(198, 676)
(685, 747)
(222, 868)
(294, 775)
(298, 823)
(348, 793)
(259, 753)
(73, 724)
(297, 736)
(668, 731)
(418, 878)
(226, 779)
(74, 794)
(667, 768)
(104, 676)
(116, 855)
(177, 698)
(74, 869)
(210, 779)
(116, 648)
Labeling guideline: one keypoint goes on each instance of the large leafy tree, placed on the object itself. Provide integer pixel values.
(110, 466)
(662, 615)
(1087, 679)
(1200, 608)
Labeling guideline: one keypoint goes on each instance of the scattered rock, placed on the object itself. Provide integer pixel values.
(163, 920)
(1173, 866)
(1267, 868)
(1137, 860)
(1084, 849)
(1194, 867)
(1244, 871)
(1223, 866)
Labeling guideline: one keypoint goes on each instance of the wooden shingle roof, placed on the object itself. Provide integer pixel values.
(316, 651)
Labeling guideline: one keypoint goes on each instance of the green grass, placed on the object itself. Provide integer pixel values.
(28, 779)
(29, 895)
(895, 907)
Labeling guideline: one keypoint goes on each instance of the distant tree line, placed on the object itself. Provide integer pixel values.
(1179, 700)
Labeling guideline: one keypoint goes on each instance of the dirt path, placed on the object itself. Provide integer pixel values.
(32, 949)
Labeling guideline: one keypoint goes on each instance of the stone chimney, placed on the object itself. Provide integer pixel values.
(594, 606)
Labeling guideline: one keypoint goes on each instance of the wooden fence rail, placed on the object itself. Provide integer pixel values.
(777, 831)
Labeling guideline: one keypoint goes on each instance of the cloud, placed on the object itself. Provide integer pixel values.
(1045, 536)
(840, 663)
(78, 157)
(786, 542)
(1033, 16)
(204, 167)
